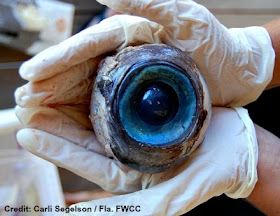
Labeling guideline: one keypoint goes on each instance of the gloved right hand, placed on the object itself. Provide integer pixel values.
(236, 63)
(225, 162)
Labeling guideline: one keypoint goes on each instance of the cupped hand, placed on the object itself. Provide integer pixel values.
(225, 162)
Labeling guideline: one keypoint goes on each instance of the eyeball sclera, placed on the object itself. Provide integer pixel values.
(150, 107)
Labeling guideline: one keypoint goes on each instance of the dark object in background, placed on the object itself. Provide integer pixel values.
(265, 111)
(8, 22)
(224, 206)
(10, 61)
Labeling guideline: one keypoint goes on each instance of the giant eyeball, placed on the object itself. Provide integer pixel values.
(150, 106)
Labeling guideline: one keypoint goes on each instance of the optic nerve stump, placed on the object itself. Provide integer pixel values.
(150, 106)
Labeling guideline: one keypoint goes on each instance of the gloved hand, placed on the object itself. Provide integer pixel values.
(237, 65)
(226, 162)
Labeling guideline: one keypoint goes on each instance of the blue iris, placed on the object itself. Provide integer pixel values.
(157, 104)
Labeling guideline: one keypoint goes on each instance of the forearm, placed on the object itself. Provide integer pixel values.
(266, 194)
(273, 29)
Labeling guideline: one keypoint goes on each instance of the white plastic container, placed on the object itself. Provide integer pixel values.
(26, 181)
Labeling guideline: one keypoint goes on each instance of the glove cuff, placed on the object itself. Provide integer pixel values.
(246, 178)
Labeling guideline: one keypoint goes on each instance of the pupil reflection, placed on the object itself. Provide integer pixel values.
(157, 103)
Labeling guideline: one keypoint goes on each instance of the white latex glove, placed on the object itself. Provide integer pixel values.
(237, 65)
(226, 162)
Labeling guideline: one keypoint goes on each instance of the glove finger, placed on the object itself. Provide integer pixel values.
(76, 113)
(90, 165)
(79, 94)
(68, 87)
(79, 113)
(167, 198)
(54, 121)
(170, 14)
(102, 38)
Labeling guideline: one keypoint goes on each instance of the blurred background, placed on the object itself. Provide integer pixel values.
(28, 33)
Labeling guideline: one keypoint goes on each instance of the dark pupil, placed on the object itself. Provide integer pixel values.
(157, 103)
